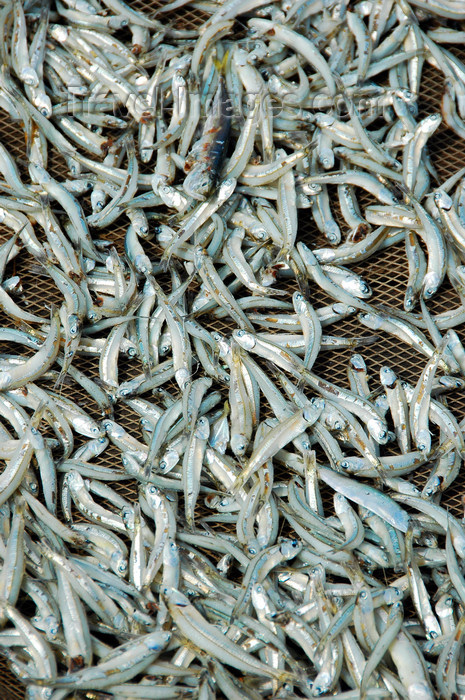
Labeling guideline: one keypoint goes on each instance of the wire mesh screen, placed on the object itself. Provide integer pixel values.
(386, 273)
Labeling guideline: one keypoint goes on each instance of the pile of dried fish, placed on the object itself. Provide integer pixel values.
(203, 142)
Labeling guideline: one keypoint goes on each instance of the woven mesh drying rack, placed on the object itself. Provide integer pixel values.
(386, 273)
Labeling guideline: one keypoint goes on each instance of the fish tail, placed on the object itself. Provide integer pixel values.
(221, 65)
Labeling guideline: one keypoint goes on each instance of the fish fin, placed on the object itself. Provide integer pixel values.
(221, 65)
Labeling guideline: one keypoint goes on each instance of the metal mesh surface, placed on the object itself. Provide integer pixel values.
(385, 272)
